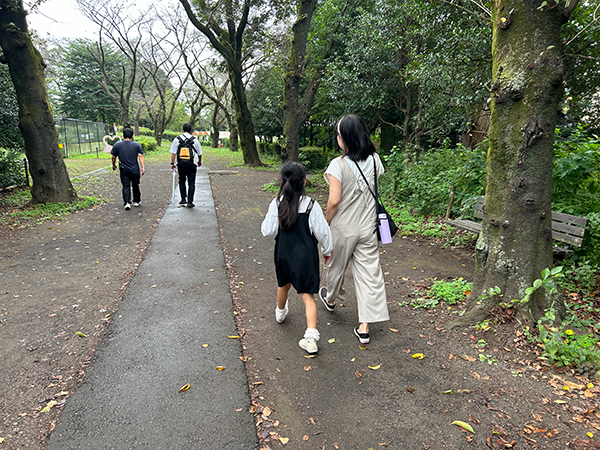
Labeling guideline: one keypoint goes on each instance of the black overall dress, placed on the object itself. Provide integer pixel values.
(297, 256)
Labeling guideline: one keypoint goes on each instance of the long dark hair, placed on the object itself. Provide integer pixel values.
(290, 192)
(356, 137)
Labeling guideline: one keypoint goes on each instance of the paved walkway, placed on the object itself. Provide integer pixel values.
(177, 303)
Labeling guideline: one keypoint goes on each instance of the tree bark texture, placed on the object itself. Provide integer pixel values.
(515, 244)
(295, 109)
(51, 182)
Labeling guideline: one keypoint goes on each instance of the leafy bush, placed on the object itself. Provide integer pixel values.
(148, 143)
(146, 132)
(12, 171)
(315, 158)
(169, 135)
(576, 179)
(424, 186)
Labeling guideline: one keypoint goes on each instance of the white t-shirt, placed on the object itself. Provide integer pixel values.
(366, 166)
(197, 147)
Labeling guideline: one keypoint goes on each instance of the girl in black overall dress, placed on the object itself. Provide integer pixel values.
(298, 224)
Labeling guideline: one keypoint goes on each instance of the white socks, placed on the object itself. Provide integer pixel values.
(312, 333)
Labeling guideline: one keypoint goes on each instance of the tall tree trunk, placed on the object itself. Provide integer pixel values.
(515, 244)
(243, 118)
(295, 111)
(233, 138)
(51, 182)
(215, 128)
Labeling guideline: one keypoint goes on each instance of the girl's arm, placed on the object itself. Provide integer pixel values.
(270, 225)
(335, 196)
(320, 228)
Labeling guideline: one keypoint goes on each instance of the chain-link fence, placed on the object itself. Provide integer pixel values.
(78, 137)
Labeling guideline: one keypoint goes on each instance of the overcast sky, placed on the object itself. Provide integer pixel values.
(61, 19)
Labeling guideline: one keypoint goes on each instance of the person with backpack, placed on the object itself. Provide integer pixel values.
(298, 224)
(187, 151)
(128, 151)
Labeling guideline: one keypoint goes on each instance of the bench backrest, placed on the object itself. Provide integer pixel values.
(566, 228)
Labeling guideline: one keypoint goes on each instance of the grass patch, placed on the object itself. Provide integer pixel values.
(41, 212)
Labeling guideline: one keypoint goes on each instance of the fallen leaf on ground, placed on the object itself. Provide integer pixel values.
(185, 388)
(307, 368)
(305, 437)
(49, 406)
(233, 337)
(267, 411)
(410, 389)
(467, 358)
(375, 367)
(463, 425)
(80, 334)
(204, 345)
(418, 356)
(309, 356)
(362, 347)
(220, 367)
(331, 341)
(449, 392)
(473, 420)
(358, 374)
(394, 330)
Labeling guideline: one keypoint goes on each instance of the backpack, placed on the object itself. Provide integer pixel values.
(185, 151)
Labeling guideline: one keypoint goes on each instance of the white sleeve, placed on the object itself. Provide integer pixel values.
(174, 146)
(380, 168)
(319, 227)
(198, 146)
(270, 225)
(333, 169)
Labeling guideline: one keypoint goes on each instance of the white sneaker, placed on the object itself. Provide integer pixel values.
(136, 204)
(309, 344)
(281, 313)
(127, 206)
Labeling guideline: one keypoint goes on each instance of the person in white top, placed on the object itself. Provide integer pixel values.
(351, 214)
(297, 223)
(187, 166)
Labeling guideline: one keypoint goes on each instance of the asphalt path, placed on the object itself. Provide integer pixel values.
(171, 329)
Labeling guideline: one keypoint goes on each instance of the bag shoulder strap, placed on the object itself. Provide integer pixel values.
(374, 194)
(310, 206)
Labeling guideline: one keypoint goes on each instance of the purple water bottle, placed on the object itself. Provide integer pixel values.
(384, 229)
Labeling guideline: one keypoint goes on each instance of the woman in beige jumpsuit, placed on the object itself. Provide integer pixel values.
(352, 218)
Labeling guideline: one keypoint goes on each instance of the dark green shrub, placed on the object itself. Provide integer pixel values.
(12, 171)
(148, 143)
(315, 158)
(425, 186)
(146, 131)
(169, 135)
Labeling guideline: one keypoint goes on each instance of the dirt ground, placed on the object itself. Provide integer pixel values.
(66, 276)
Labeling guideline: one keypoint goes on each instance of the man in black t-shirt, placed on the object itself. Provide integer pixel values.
(128, 151)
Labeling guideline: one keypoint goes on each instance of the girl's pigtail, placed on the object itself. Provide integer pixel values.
(290, 193)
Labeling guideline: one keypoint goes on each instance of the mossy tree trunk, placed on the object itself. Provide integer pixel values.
(515, 244)
(51, 182)
(295, 106)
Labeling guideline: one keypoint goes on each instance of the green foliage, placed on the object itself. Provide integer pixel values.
(270, 149)
(170, 135)
(576, 173)
(12, 171)
(51, 211)
(563, 347)
(10, 135)
(147, 132)
(425, 185)
(315, 158)
(148, 143)
(451, 292)
(271, 187)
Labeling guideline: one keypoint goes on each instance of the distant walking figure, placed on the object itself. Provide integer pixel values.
(298, 223)
(351, 215)
(187, 151)
(128, 151)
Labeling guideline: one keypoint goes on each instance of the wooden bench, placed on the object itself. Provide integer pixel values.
(566, 228)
